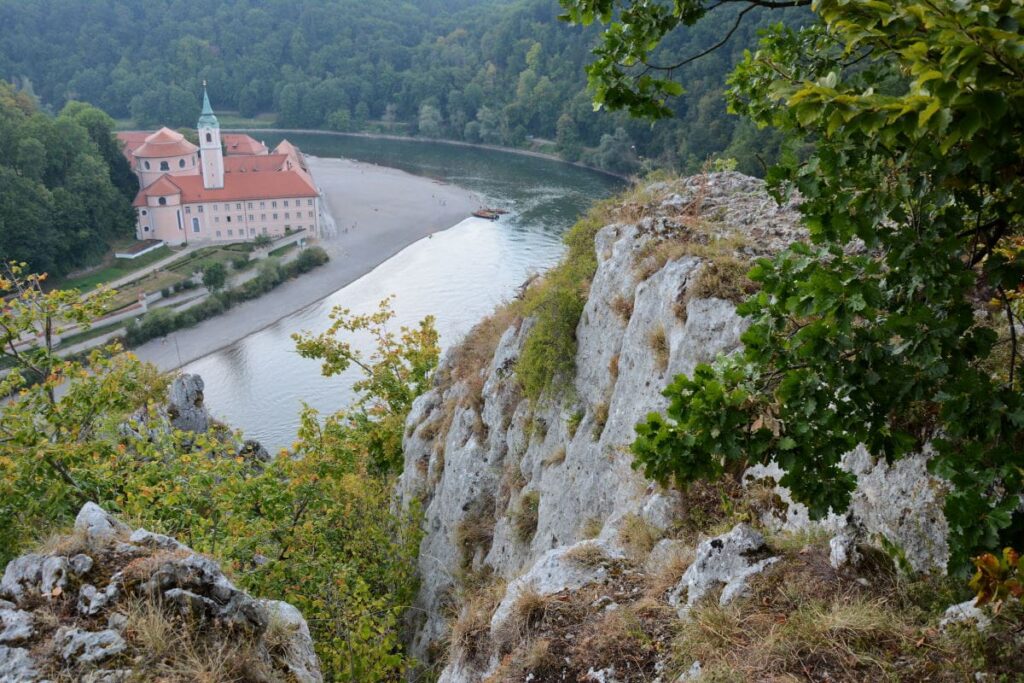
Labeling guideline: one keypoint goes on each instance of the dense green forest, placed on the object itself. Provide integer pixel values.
(65, 187)
(475, 70)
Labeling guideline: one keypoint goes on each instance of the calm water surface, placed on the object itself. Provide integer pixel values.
(259, 384)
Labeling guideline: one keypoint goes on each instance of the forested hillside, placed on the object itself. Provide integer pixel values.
(475, 70)
(65, 187)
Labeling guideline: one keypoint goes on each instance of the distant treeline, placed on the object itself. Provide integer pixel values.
(65, 187)
(477, 70)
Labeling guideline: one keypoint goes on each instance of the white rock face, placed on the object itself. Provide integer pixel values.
(725, 560)
(492, 456)
(570, 452)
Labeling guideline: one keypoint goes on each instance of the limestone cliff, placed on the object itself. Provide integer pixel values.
(535, 520)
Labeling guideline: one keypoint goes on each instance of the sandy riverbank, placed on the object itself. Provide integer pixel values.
(378, 210)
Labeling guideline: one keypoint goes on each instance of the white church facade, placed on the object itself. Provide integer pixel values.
(228, 189)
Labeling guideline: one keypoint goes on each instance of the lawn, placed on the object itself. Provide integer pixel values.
(115, 268)
(283, 250)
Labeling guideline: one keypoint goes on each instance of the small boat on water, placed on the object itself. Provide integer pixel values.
(487, 214)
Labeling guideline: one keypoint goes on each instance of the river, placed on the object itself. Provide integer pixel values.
(259, 384)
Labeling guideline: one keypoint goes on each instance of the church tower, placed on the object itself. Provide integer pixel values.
(209, 146)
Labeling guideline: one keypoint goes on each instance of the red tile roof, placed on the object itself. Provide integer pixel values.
(132, 140)
(165, 143)
(254, 164)
(237, 187)
(241, 144)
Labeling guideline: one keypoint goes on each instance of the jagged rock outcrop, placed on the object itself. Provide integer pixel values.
(99, 603)
(510, 490)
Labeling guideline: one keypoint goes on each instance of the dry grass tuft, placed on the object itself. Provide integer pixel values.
(525, 516)
(613, 367)
(171, 649)
(475, 531)
(471, 631)
(557, 457)
(587, 555)
(592, 528)
(572, 425)
(527, 612)
(601, 411)
(622, 307)
(723, 277)
(638, 536)
(658, 341)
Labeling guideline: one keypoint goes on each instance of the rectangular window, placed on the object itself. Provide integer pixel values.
(309, 202)
(310, 214)
(252, 231)
(218, 233)
(264, 230)
(239, 219)
(273, 205)
(200, 208)
(263, 205)
(263, 216)
(230, 233)
(216, 208)
(250, 205)
(195, 224)
(238, 206)
(252, 217)
(188, 209)
(275, 216)
(216, 219)
(287, 215)
(286, 203)
(227, 207)
(229, 218)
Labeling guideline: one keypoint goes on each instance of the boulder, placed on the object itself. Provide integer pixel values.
(17, 665)
(95, 525)
(17, 626)
(185, 405)
(149, 567)
(88, 647)
(730, 560)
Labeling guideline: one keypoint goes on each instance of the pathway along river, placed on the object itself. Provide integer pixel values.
(459, 275)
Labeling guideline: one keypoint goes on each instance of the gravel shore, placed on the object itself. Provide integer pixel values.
(378, 211)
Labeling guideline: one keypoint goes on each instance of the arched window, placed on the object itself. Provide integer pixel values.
(162, 201)
(164, 166)
(181, 163)
(146, 163)
(209, 138)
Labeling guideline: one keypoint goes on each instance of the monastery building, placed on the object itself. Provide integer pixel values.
(228, 189)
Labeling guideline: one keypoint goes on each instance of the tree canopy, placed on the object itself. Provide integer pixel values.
(65, 187)
(897, 325)
(475, 70)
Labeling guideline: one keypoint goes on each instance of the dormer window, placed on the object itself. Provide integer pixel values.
(209, 138)
(146, 164)
(162, 201)
(181, 163)
(164, 166)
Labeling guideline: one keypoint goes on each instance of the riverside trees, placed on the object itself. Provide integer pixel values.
(898, 324)
(65, 188)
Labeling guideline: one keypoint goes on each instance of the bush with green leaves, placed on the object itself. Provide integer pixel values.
(896, 326)
(314, 527)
